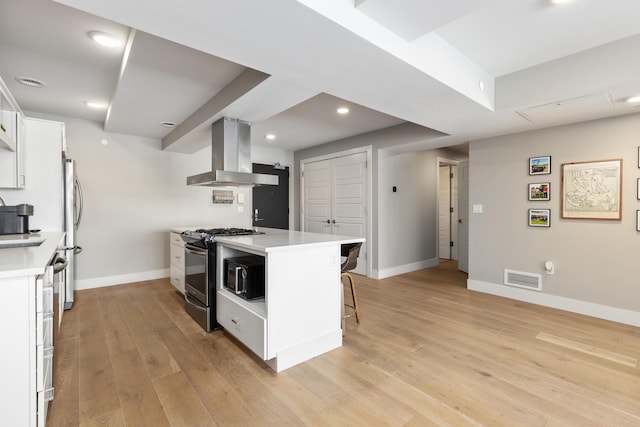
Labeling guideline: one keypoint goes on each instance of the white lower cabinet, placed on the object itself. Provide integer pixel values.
(26, 327)
(176, 252)
(241, 321)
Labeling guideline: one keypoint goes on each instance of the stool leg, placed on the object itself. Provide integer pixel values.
(353, 295)
(343, 323)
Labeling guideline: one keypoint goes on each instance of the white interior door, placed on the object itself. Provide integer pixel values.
(444, 212)
(350, 201)
(454, 212)
(336, 199)
(317, 197)
(463, 215)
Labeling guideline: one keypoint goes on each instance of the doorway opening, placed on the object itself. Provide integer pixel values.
(447, 210)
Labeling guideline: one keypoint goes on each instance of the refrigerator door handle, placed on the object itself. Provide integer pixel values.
(78, 188)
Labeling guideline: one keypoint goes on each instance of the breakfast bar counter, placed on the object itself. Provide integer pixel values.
(300, 315)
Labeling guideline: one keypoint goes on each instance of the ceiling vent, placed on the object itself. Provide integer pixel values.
(30, 81)
(523, 280)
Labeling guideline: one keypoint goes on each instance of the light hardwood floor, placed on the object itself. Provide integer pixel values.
(428, 352)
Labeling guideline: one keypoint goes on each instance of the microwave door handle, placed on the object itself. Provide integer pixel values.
(239, 286)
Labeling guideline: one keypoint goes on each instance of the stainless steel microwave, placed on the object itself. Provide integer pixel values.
(244, 276)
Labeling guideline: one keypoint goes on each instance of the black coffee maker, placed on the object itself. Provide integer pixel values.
(15, 219)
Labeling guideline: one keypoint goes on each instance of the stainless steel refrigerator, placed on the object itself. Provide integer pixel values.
(72, 216)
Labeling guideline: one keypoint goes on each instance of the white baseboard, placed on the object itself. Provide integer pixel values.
(406, 268)
(100, 282)
(600, 311)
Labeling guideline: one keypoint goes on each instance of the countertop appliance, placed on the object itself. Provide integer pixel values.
(244, 276)
(15, 219)
(200, 272)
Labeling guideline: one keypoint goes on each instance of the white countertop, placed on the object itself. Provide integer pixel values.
(275, 239)
(29, 260)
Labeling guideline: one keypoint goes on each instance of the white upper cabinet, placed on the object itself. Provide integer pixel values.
(12, 139)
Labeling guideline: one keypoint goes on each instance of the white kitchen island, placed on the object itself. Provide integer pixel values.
(300, 316)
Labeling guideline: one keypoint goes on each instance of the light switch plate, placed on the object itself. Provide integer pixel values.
(477, 209)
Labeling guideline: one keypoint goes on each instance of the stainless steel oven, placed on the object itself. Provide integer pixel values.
(200, 272)
(200, 286)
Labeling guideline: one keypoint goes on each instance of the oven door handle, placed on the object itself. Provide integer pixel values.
(196, 252)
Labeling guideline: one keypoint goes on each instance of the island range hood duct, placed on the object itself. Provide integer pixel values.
(231, 158)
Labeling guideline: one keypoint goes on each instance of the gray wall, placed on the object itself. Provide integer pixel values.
(134, 194)
(596, 261)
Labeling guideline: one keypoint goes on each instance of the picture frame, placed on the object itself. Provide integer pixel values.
(541, 165)
(639, 157)
(638, 189)
(539, 217)
(638, 220)
(592, 190)
(540, 191)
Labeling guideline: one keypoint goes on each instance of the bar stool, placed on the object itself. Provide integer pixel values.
(351, 252)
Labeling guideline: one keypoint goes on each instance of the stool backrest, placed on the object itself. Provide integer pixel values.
(351, 251)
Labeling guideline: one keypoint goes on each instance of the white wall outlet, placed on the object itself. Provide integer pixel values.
(477, 209)
(240, 198)
(549, 267)
(240, 209)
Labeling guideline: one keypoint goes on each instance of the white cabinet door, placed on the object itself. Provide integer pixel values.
(176, 253)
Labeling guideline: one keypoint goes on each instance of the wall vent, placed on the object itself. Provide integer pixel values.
(523, 280)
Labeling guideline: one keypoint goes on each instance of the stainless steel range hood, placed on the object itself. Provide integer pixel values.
(231, 158)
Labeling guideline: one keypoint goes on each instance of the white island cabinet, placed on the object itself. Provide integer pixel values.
(299, 317)
(26, 328)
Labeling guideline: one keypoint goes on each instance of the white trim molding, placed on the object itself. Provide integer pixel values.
(100, 282)
(406, 268)
(620, 315)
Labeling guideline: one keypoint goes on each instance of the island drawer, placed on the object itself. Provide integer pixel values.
(244, 324)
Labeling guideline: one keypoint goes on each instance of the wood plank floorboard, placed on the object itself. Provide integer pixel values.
(428, 352)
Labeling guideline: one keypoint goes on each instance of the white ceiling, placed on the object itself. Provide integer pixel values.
(285, 65)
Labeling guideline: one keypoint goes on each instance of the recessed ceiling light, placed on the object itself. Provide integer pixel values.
(168, 124)
(96, 105)
(270, 136)
(633, 99)
(30, 81)
(342, 110)
(559, 1)
(104, 39)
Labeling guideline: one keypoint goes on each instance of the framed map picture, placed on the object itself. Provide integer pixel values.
(592, 190)
(539, 191)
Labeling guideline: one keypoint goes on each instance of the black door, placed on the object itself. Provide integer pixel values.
(271, 202)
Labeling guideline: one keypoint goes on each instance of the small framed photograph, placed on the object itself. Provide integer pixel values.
(639, 157)
(638, 220)
(540, 165)
(539, 217)
(541, 191)
(638, 188)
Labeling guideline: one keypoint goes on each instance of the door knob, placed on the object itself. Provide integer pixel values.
(334, 221)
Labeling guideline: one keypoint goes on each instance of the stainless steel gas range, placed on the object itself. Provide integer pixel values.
(200, 272)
